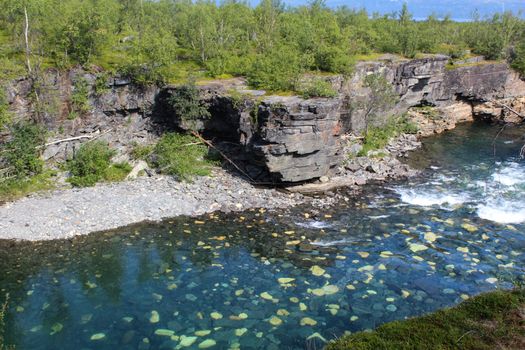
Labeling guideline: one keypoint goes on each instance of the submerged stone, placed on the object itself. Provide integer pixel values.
(307, 321)
(164, 332)
(187, 341)
(317, 271)
(275, 321)
(469, 227)
(240, 332)
(216, 315)
(154, 317)
(98, 336)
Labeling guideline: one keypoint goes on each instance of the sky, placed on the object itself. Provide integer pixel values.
(460, 10)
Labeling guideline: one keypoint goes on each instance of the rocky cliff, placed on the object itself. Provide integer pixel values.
(299, 139)
(287, 138)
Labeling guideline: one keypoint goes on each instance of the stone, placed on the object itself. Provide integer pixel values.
(275, 321)
(154, 317)
(307, 321)
(317, 271)
(208, 343)
(187, 341)
(98, 336)
(138, 168)
(216, 315)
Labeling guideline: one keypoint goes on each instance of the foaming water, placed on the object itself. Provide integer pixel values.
(426, 198)
(501, 211)
(491, 187)
(314, 224)
(510, 174)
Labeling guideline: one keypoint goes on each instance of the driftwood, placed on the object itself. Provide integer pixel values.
(90, 137)
(69, 139)
(509, 108)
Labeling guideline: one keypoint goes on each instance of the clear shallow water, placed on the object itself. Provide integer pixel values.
(388, 254)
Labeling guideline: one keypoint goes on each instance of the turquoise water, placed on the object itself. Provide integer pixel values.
(288, 279)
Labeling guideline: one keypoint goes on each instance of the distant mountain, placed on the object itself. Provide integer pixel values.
(458, 9)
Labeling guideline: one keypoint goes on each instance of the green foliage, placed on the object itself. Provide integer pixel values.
(80, 96)
(518, 62)
(429, 112)
(101, 83)
(92, 164)
(187, 105)
(181, 155)
(278, 70)
(5, 115)
(20, 155)
(272, 44)
(378, 136)
(11, 189)
(489, 321)
(316, 87)
(141, 152)
(117, 172)
(381, 97)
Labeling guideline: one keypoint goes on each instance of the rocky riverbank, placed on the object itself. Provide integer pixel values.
(70, 212)
(66, 213)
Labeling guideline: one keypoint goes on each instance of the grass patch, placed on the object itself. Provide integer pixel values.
(316, 87)
(490, 321)
(20, 155)
(141, 152)
(92, 164)
(379, 136)
(182, 155)
(429, 112)
(452, 66)
(15, 188)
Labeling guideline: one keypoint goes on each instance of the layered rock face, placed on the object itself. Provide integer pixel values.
(298, 139)
(288, 138)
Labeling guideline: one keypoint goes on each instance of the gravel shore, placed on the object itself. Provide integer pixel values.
(71, 212)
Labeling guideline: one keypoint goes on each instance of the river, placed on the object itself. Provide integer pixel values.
(285, 279)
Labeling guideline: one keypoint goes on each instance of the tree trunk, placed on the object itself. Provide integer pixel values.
(26, 36)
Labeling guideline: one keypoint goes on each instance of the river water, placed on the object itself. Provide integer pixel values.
(232, 281)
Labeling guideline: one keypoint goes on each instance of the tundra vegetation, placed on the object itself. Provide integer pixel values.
(272, 44)
(489, 321)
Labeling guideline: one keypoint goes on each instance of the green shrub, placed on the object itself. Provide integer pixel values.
(379, 136)
(5, 115)
(278, 69)
(181, 155)
(141, 152)
(21, 153)
(316, 87)
(187, 105)
(92, 164)
(141, 75)
(14, 188)
(101, 83)
(518, 62)
(117, 172)
(80, 97)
